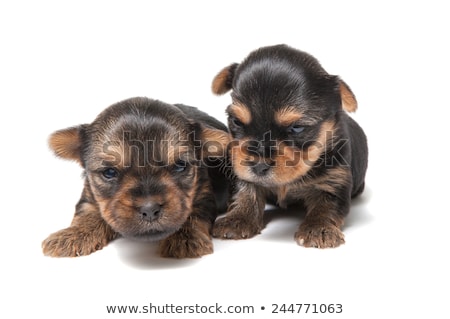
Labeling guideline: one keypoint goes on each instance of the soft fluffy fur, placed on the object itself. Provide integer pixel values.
(293, 143)
(151, 173)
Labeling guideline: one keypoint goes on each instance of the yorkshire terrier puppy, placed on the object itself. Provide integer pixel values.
(152, 172)
(293, 142)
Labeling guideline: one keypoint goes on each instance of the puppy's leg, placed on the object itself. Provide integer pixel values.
(87, 233)
(191, 241)
(327, 204)
(194, 238)
(244, 218)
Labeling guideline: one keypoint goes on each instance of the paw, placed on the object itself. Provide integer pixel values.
(234, 227)
(319, 235)
(186, 244)
(72, 242)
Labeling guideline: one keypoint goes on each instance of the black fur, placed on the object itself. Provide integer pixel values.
(268, 82)
(146, 178)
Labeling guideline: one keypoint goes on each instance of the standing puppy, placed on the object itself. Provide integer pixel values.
(293, 142)
(146, 178)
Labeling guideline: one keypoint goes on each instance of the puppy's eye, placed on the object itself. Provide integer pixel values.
(180, 166)
(236, 122)
(295, 129)
(110, 173)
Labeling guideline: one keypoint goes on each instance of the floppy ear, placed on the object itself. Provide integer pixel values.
(223, 81)
(209, 141)
(214, 142)
(347, 97)
(67, 143)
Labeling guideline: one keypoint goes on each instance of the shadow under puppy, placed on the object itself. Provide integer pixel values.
(147, 177)
(293, 143)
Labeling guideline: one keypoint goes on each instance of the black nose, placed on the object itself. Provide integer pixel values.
(150, 212)
(261, 169)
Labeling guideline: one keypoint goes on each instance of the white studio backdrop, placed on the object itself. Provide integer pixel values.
(61, 63)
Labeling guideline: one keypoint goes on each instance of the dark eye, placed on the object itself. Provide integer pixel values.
(110, 173)
(180, 166)
(295, 129)
(234, 121)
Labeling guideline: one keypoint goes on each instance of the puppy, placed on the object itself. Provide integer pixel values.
(152, 172)
(293, 143)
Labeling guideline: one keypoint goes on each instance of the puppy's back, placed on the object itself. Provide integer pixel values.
(359, 151)
(199, 116)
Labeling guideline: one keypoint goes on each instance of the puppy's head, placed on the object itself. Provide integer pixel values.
(283, 113)
(141, 163)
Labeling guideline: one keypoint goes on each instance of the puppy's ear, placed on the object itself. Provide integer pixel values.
(214, 142)
(209, 142)
(223, 81)
(67, 143)
(347, 97)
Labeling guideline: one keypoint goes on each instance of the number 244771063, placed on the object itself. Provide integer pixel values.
(307, 308)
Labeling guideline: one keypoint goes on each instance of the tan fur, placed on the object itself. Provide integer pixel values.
(214, 142)
(287, 116)
(133, 187)
(240, 112)
(192, 240)
(294, 99)
(335, 176)
(87, 233)
(240, 159)
(322, 225)
(219, 86)
(348, 99)
(244, 216)
(281, 196)
(120, 211)
(66, 144)
(290, 163)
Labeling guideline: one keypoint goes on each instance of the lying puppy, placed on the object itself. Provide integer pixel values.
(145, 178)
(293, 142)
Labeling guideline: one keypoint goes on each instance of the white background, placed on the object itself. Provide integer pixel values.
(61, 64)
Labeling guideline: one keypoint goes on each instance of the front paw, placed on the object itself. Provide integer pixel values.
(72, 242)
(319, 235)
(187, 244)
(236, 227)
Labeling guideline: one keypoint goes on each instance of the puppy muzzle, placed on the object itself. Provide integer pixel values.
(150, 212)
(261, 169)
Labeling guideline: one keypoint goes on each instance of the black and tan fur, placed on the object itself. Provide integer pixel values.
(293, 142)
(148, 176)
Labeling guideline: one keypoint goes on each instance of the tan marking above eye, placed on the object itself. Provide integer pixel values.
(287, 116)
(240, 112)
